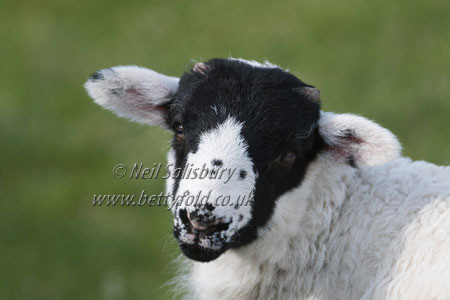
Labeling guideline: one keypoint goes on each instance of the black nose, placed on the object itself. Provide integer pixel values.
(203, 222)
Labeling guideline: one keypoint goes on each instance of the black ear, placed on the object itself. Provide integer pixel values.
(139, 94)
(357, 140)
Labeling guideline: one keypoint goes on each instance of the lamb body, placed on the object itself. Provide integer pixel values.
(377, 232)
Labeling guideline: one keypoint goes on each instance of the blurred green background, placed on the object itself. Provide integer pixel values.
(387, 60)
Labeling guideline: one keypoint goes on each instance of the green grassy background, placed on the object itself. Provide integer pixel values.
(387, 60)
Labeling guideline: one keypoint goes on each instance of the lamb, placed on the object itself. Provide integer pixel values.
(336, 212)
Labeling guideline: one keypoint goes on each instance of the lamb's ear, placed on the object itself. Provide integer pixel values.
(357, 140)
(132, 92)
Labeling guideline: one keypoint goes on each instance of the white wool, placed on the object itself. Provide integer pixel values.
(378, 232)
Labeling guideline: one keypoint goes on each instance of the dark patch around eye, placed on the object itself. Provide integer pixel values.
(242, 174)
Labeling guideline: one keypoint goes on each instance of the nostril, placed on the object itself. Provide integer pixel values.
(201, 224)
(196, 224)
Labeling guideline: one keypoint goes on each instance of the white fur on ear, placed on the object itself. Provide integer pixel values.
(357, 140)
(133, 92)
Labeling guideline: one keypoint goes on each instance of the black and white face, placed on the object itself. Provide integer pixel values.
(252, 127)
(255, 125)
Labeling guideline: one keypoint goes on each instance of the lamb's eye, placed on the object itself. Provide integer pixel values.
(179, 128)
(179, 132)
(287, 159)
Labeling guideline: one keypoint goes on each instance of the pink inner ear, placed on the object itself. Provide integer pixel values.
(143, 106)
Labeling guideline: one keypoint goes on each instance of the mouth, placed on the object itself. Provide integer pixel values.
(199, 253)
(199, 241)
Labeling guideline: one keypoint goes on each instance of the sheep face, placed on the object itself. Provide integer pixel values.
(250, 128)
(255, 126)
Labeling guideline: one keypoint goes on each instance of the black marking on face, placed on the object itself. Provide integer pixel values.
(209, 206)
(276, 119)
(217, 162)
(183, 216)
